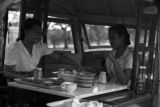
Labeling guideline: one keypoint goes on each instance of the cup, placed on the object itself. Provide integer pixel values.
(102, 77)
(38, 74)
(90, 104)
(69, 86)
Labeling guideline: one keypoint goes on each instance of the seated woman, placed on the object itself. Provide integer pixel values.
(23, 56)
(120, 60)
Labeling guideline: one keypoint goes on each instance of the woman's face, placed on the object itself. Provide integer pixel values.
(33, 35)
(116, 41)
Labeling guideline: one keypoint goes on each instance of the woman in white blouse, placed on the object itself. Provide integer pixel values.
(120, 60)
(23, 56)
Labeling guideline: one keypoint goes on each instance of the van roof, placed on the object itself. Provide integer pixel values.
(94, 11)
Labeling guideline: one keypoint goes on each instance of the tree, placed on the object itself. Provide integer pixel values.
(59, 33)
(65, 35)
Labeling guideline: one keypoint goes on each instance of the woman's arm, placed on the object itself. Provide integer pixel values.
(70, 60)
(122, 75)
(11, 74)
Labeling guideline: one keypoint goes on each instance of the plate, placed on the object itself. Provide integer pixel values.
(48, 82)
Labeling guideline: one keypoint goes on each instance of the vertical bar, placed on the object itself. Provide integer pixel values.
(145, 36)
(76, 31)
(135, 55)
(86, 36)
(152, 43)
(5, 30)
(156, 84)
(44, 27)
(145, 41)
(44, 20)
(22, 16)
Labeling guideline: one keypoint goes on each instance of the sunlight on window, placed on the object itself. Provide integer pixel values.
(13, 27)
(59, 37)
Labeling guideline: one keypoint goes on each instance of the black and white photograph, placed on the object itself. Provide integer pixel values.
(79, 53)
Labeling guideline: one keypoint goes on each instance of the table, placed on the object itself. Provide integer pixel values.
(97, 89)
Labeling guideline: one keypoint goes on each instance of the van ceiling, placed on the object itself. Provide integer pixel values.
(91, 11)
(95, 11)
(118, 8)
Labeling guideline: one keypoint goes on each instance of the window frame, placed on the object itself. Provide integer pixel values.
(86, 39)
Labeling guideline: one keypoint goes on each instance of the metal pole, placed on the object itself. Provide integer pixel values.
(135, 55)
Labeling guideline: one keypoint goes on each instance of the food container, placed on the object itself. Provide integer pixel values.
(38, 74)
(85, 79)
(69, 77)
(60, 72)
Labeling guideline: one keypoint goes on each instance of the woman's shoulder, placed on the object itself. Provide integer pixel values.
(14, 45)
(129, 51)
(128, 54)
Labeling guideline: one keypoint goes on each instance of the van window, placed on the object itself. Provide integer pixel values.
(59, 37)
(97, 37)
(13, 26)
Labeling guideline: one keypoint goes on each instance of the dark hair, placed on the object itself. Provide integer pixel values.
(28, 24)
(121, 30)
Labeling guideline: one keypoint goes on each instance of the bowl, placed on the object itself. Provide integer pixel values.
(85, 79)
(69, 77)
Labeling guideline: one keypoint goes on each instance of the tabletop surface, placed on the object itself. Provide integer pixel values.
(97, 89)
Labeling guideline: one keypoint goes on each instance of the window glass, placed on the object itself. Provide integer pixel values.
(97, 36)
(13, 27)
(29, 15)
(59, 37)
(12, 32)
(132, 33)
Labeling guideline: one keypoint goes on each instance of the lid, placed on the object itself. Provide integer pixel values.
(102, 72)
(39, 68)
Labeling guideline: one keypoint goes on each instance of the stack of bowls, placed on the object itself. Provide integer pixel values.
(85, 79)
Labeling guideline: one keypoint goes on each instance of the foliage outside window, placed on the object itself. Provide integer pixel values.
(59, 37)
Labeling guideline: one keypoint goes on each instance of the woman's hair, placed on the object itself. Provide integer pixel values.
(121, 30)
(28, 24)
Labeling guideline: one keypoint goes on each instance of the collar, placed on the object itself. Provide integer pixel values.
(126, 52)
